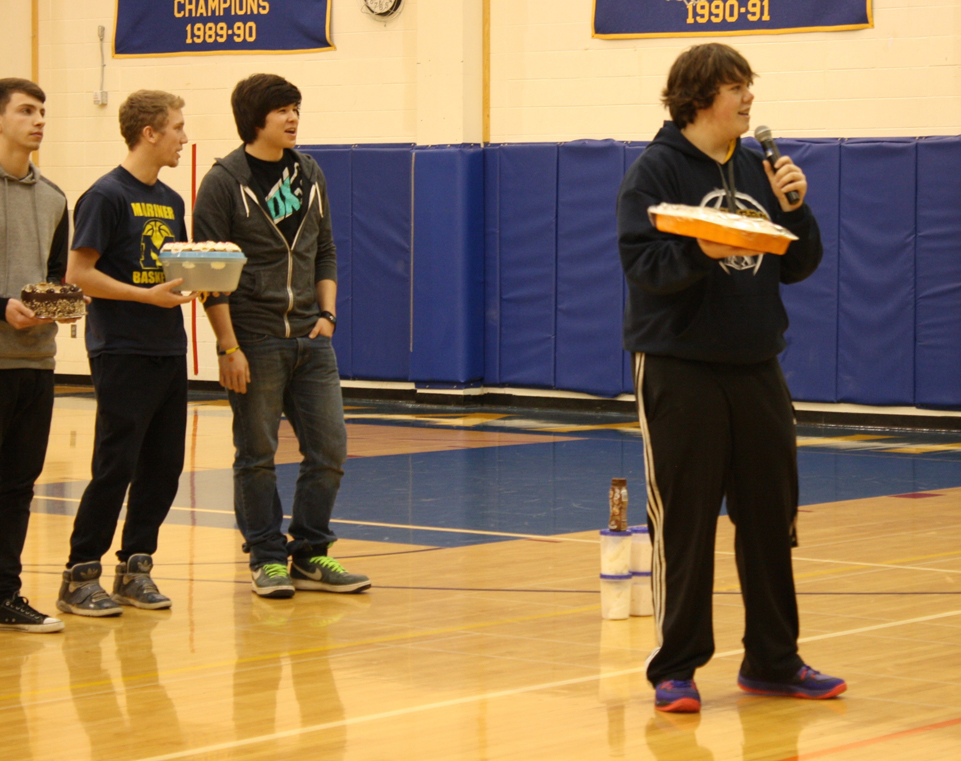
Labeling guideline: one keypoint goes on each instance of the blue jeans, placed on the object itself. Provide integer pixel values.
(297, 377)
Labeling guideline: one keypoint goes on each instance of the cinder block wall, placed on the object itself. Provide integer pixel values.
(416, 79)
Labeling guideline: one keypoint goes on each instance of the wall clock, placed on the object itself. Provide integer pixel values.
(382, 8)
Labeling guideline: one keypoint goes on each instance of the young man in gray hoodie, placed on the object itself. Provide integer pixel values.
(273, 338)
(33, 248)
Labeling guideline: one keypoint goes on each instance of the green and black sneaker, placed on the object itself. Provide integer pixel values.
(272, 580)
(323, 573)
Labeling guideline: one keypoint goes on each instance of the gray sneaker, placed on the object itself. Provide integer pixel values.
(81, 593)
(272, 580)
(133, 586)
(323, 573)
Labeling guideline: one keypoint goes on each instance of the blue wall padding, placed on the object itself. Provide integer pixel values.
(589, 356)
(632, 152)
(520, 285)
(627, 359)
(380, 252)
(492, 277)
(938, 353)
(810, 360)
(448, 266)
(335, 161)
(876, 288)
(526, 194)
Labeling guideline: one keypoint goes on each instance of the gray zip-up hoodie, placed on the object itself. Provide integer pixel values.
(277, 293)
(34, 229)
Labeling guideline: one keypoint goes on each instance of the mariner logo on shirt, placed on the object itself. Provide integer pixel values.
(746, 207)
(155, 234)
(152, 210)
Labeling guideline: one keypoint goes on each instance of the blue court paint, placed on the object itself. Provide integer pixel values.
(836, 476)
(543, 489)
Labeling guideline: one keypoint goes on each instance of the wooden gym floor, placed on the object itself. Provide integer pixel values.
(481, 637)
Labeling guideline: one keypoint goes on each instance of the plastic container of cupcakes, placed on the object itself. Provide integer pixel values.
(204, 266)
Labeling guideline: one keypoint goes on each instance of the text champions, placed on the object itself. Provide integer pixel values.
(208, 8)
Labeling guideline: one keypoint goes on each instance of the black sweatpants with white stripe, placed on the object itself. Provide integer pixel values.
(713, 430)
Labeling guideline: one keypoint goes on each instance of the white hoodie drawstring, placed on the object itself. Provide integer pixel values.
(244, 190)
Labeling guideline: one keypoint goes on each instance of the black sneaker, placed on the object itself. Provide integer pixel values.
(17, 615)
(133, 586)
(81, 593)
(323, 573)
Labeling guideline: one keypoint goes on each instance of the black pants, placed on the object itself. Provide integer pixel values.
(714, 430)
(26, 405)
(139, 442)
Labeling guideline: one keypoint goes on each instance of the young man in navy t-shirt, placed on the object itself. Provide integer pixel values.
(137, 348)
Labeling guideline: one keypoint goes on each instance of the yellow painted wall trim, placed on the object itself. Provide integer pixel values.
(35, 54)
(486, 132)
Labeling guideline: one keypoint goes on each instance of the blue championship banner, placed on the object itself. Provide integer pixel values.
(701, 18)
(204, 27)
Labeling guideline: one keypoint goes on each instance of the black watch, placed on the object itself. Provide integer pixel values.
(330, 317)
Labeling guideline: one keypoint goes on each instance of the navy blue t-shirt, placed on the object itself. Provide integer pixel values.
(127, 222)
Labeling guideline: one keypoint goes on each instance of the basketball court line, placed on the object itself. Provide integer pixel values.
(892, 564)
(454, 630)
(300, 731)
(874, 740)
(734, 590)
(245, 564)
(387, 639)
(477, 532)
(544, 538)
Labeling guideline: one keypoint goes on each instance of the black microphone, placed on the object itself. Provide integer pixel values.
(763, 135)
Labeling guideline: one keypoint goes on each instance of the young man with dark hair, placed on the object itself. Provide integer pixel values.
(33, 248)
(696, 78)
(274, 338)
(705, 323)
(137, 348)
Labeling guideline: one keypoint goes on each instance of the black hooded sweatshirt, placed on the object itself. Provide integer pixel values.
(681, 303)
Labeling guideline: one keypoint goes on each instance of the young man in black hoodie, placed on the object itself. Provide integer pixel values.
(33, 247)
(705, 323)
(274, 338)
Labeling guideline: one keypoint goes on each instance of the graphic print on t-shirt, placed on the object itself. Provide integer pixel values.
(746, 207)
(283, 199)
(127, 221)
(155, 233)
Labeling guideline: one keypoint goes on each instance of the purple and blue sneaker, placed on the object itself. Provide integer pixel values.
(806, 683)
(677, 696)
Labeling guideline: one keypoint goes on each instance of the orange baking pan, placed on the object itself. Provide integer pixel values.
(753, 233)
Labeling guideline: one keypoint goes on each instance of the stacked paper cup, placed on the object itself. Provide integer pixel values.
(641, 602)
(616, 575)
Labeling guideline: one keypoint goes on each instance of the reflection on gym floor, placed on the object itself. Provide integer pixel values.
(481, 637)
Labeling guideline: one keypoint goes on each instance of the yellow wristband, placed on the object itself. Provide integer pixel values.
(229, 351)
